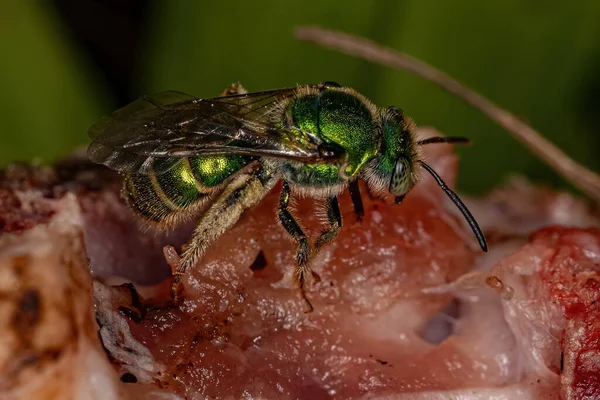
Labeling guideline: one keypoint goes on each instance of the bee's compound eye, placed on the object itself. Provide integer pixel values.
(400, 180)
(399, 169)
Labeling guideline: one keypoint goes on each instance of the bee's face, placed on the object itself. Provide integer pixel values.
(393, 169)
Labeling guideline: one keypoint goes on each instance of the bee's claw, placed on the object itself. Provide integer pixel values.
(315, 276)
(300, 282)
(308, 308)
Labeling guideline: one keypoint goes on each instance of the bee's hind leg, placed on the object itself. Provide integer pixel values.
(304, 250)
(244, 191)
(334, 218)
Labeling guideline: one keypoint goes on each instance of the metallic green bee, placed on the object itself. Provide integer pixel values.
(184, 156)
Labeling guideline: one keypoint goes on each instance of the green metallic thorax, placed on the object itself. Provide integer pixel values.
(337, 115)
(156, 197)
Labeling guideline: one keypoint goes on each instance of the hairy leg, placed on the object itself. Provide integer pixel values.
(244, 191)
(304, 250)
(334, 218)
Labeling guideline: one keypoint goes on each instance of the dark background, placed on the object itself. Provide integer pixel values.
(65, 63)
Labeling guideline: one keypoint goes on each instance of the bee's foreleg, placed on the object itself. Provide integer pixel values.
(334, 218)
(354, 190)
(304, 249)
(243, 192)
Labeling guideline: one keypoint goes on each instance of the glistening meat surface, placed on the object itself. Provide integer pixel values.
(395, 317)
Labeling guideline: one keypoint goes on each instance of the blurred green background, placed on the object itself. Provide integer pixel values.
(65, 63)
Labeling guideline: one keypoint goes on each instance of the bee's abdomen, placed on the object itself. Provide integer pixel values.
(142, 198)
(157, 197)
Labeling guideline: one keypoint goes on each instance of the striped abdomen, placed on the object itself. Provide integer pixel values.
(160, 197)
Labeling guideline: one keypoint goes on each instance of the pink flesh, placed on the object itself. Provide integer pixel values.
(395, 315)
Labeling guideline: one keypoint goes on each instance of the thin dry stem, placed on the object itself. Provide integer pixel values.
(581, 177)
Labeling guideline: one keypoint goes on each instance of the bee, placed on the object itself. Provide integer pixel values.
(184, 157)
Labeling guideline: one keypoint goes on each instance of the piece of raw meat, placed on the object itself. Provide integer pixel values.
(408, 307)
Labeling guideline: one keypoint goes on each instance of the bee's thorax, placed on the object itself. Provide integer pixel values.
(336, 115)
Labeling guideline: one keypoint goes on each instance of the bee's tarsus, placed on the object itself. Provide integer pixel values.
(303, 252)
(359, 209)
(175, 290)
(300, 279)
(177, 269)
(334, 218)
(308, 308)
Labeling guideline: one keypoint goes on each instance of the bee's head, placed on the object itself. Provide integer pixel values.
(393, 170)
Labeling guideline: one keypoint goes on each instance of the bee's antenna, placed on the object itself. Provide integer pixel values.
(461, 206)
(448, 139)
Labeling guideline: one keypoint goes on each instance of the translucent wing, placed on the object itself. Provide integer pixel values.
(172, 125)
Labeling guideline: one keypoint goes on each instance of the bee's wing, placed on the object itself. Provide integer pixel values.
(171, 125)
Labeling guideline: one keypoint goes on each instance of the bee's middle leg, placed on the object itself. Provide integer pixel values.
(304, 250)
